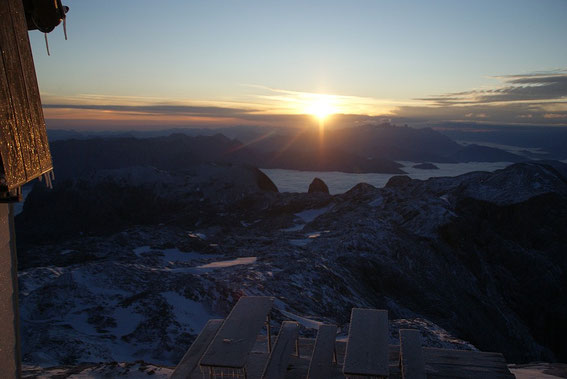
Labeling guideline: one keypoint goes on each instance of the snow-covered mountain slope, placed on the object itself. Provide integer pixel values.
(478, 258)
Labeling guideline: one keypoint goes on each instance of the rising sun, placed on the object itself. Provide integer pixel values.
(321, 108)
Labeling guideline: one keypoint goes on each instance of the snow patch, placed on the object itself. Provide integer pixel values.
(311, 214)
(198, 235)
(294, 228)
(79, 322)
(187, 311)
(124, 370)
(142, 249)
(300, 242)
(376, 202)
(126, 321)
(229, 263)
(306, 322)
(172, 255)
(176, 255)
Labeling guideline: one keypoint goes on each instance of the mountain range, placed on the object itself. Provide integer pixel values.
(362, 149)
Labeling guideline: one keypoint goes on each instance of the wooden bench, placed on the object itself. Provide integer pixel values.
(449, 363)
(323, 353)
(190, 360)
(277, 363)
(237, 335)
(412, 363)
(367, 346)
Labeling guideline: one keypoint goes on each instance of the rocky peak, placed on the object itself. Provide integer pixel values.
(398, 181)
(318, 185)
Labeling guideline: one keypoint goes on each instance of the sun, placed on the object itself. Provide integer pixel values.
(321, 108)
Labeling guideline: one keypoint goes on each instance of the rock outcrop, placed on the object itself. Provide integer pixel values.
(107, 201)
(264, 182)
(318, 186)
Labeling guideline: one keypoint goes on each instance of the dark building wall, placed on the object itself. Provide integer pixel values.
(9, 317)
(24, 155)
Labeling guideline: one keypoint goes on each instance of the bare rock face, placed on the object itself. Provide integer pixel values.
(264, 182)
(398, 181)
(317, 185)
(107, 201)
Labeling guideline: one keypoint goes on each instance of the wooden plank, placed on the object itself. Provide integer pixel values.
(441, 363)
(411, 354)
(298, 367)
(476, 358)
(190, 360)
(37, 134)
(10, 146)
(441, 372)
(238, 333)
(277, 363)
(24, 149)
(10, 152)
(16, 84)
(367, 346)
(322, 358)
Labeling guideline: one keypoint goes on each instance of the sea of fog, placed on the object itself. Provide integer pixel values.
(339, 182)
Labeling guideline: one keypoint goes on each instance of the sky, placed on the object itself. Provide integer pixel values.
(137, 64)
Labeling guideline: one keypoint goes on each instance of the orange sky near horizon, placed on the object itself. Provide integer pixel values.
(273, 63)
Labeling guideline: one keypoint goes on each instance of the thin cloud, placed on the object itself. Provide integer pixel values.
(539, 97)
(160, 109)
(534, 87)
(265, 105)
(533, 98)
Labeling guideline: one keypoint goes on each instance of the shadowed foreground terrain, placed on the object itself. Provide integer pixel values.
(134, 268)
(141, 370)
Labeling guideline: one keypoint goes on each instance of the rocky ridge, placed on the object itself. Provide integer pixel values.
(477, 258)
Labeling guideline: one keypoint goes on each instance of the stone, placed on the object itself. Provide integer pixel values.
(317, 185)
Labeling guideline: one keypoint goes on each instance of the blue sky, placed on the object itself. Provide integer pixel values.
(392, 59)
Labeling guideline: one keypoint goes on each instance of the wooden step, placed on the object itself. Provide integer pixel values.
(322, 358)
(367, 346)
(276, 367)
(235, 339)
(191, 359)
(449, 363)
(411, 354)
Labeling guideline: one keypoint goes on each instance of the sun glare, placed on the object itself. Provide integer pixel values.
(321, 108)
